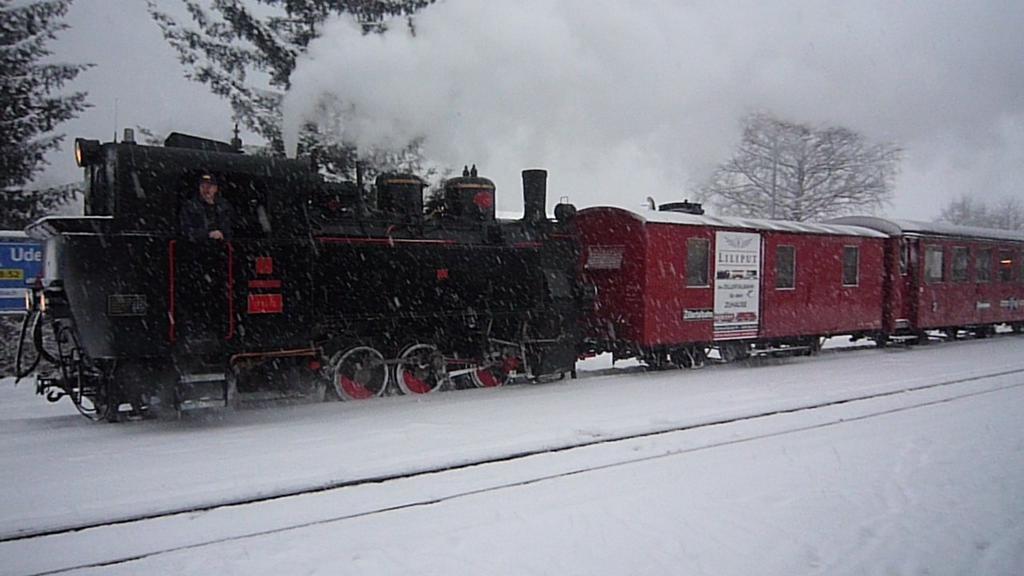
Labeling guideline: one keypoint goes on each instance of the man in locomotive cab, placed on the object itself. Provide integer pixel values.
(207, 215)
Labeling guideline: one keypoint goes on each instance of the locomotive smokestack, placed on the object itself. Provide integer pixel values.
(535, 183)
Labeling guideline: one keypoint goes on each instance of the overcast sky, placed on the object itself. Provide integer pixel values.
(619, 100)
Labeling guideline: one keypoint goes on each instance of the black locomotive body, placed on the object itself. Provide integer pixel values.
(324, 287)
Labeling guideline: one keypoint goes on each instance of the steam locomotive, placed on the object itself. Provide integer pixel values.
(325, 288)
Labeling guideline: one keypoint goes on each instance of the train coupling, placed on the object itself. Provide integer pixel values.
(50, 385)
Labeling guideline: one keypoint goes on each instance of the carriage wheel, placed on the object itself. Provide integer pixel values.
(681, 357)
(734, 351)
(698, 357)
(816, 345)
(657, 360)
(498, 374)
(692, 357)
(359, 373)
(420, 369)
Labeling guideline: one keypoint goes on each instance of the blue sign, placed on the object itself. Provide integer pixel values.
(21, 262)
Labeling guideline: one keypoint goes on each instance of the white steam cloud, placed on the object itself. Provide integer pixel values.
(621, 100)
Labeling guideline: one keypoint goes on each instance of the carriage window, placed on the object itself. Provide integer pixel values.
(697, 252)
(785, 267)
(983, 265)
(934, 271)
(961, 260)
(851, 265)
(1005, 266)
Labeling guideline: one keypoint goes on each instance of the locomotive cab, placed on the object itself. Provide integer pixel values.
(144, 187)
(129, 294)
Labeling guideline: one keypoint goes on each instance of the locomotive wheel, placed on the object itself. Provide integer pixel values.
(420, 369)
(359, 373)
(496, 375)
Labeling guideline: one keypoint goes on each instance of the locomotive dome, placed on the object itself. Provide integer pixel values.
(469, 197)
(400, 195)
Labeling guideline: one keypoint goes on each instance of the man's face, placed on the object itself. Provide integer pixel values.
(208, 192)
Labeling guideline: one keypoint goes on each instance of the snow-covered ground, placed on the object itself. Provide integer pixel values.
(927, 481)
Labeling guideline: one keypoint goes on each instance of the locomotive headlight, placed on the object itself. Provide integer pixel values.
(86, 151)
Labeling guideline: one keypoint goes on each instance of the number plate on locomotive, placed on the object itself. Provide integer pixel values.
(126, 305)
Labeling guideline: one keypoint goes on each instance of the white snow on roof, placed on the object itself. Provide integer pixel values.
(744, 223)
(895, 227)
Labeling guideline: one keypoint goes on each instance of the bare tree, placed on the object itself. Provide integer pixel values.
(797, 172)
(1007, 213)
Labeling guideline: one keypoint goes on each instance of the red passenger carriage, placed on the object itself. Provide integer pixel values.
(671, 285)
(951, 278)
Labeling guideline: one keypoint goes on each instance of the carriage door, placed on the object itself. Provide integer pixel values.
(200, 300)
(909, 281)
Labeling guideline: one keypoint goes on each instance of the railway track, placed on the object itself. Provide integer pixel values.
(559, 463)
(601, 439)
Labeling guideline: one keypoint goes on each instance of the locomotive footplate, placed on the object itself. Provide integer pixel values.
(198, 391)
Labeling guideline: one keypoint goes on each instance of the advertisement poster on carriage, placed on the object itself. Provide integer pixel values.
(737, 285)
(21, 262)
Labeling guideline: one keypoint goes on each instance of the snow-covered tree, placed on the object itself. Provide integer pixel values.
(33, 105)
(1007, 213)
(245, 51)
(792, 171)
(22, 207)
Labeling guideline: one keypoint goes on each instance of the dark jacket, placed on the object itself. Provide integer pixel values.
(197, 221)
